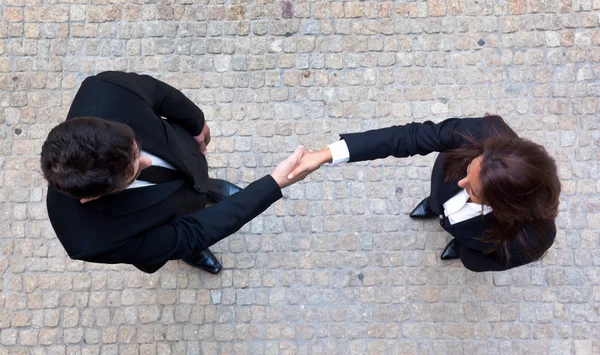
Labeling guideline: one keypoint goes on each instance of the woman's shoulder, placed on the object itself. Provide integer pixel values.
(496, 126)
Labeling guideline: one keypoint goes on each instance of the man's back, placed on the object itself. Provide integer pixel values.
(98, 230)
(139, 102)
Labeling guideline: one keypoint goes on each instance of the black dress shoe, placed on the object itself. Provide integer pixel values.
(204, 260)
(452, 251)
(219, 189)
(422, 210)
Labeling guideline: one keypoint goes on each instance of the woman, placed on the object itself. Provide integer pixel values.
(495, 193)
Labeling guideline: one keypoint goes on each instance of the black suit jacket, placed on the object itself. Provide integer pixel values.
(427, 137)
(148, 226)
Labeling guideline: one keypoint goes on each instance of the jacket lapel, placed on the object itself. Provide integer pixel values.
(470, 232)
(164, 144)
(441, 190)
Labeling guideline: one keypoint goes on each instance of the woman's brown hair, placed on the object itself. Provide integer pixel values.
(519, 181)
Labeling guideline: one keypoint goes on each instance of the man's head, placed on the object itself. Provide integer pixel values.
(88, 157)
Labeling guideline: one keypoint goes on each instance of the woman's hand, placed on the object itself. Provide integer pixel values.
(282, 170)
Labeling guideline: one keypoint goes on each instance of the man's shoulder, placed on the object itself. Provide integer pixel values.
(63, 213)
(83, 227)
(102, 96)
(111, 75)
(92, 89)
(107, 79)
(104, 81)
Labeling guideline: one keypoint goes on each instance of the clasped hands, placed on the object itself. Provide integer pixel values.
(298, 165)
(293, 169)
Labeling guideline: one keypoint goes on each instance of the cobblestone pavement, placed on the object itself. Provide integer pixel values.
(336, 267)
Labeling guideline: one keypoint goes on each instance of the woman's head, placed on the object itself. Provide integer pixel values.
(518, 179)
(472, 180)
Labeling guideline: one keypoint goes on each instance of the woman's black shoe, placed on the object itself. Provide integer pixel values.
(452, 251)
(422, 210)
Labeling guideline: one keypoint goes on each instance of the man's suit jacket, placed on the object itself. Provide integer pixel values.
(148, 226)
(427, 137)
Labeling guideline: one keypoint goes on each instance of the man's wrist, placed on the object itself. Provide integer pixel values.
(278, 180)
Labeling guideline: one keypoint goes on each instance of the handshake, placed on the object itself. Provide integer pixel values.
(293, 169)
(298, 165)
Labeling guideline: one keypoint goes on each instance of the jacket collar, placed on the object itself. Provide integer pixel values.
(169, 149)
(133, 200)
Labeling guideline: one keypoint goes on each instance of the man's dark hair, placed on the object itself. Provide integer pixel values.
(89, 157)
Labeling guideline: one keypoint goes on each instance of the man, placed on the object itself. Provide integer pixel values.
(127, 186)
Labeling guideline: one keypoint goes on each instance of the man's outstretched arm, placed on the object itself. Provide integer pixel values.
(201, 229)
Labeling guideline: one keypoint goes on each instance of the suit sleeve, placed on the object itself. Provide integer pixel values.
(164, 99)
(412, 139)
(201, 229)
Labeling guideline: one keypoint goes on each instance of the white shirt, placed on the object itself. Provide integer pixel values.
(457, 209)
(156, 161)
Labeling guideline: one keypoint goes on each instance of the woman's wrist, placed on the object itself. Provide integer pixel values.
(325, 156)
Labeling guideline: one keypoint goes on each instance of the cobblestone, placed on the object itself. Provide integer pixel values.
(336, 266)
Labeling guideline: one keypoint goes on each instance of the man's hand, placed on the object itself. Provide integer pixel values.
(203, 139)
(281, 171)
(310, 162)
